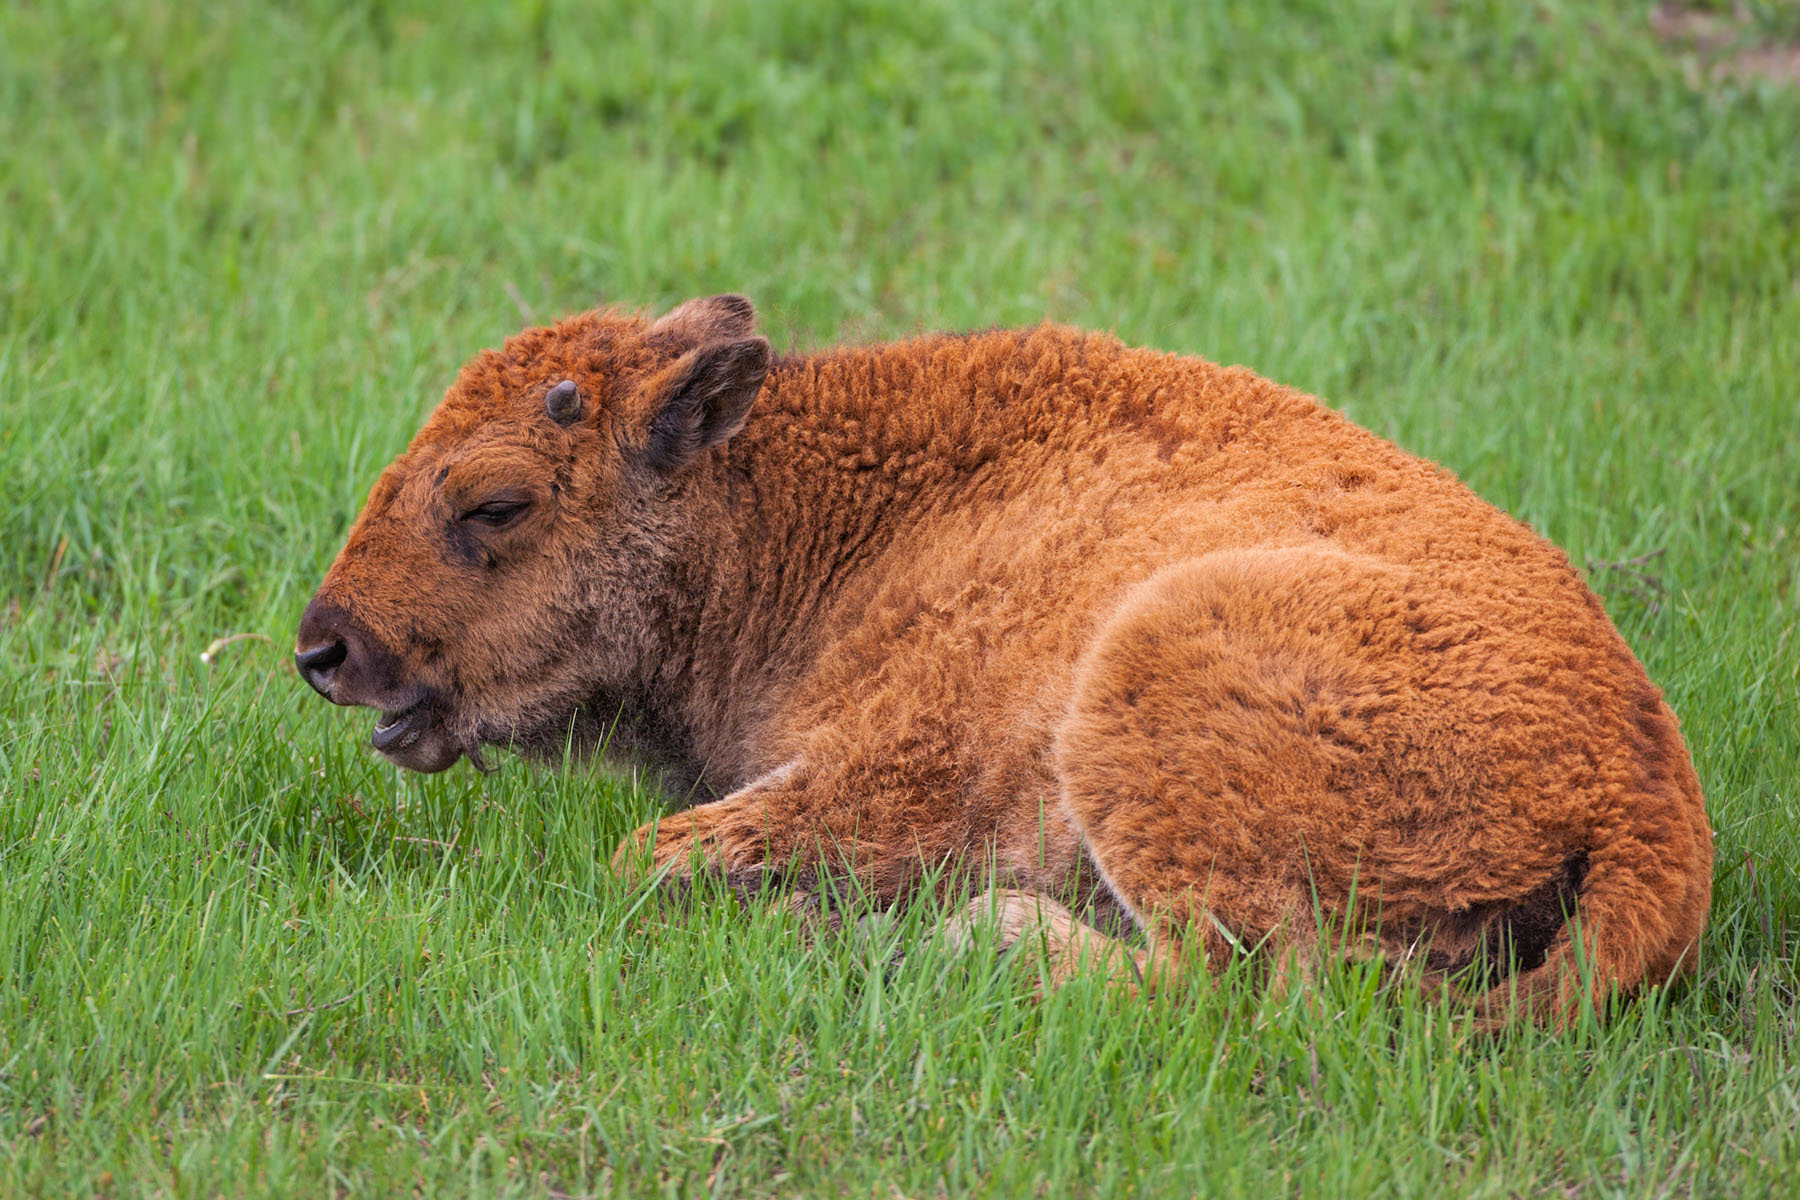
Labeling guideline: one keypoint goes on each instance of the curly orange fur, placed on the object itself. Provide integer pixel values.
(1078, 610)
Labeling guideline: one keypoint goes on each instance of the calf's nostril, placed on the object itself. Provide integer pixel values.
(316, 664)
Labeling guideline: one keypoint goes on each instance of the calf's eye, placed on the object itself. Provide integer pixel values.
(497, 513)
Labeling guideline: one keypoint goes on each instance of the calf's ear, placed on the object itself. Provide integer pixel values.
(706, 320)
(703, 399)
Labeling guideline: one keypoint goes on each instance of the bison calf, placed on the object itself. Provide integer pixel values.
(1034, 599)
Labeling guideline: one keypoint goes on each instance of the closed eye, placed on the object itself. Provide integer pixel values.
(497, 513)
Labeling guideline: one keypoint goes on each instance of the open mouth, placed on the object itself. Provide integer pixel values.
(397, 730)
(416, 737)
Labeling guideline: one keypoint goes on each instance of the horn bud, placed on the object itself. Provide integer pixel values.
(563, 402)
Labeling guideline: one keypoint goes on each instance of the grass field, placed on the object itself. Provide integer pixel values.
(244, 249)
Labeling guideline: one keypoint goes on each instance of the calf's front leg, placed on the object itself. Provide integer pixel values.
(792, 821)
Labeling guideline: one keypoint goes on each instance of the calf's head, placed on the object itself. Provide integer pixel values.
(522, 557)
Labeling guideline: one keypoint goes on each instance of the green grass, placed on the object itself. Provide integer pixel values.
(242, 252)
